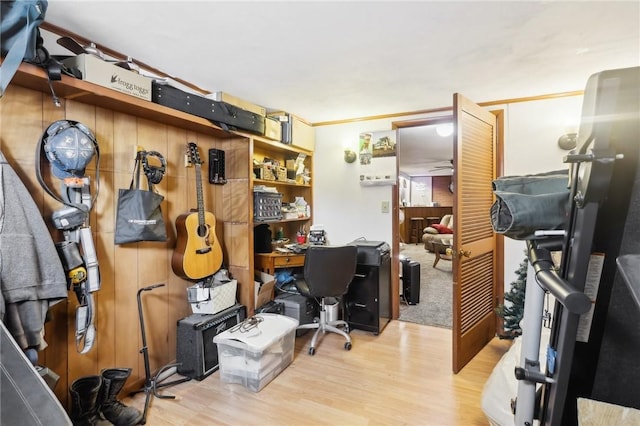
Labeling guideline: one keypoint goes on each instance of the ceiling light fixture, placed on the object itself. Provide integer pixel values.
(444, 130)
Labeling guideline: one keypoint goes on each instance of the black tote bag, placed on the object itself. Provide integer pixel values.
(138, 215)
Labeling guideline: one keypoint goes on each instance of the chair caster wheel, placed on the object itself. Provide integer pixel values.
(312, 351)
(347, 346)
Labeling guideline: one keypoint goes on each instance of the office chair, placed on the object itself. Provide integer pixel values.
(328, 270)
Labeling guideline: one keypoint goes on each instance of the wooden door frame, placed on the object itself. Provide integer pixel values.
(395, 226)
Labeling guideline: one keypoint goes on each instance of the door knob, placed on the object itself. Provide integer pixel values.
(464, 253)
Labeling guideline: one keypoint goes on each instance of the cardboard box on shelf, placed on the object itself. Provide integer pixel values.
(102, 73)
(240, 103)
(272, 129)
(295, 130)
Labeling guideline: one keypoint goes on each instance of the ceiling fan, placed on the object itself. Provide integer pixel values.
(436, 168)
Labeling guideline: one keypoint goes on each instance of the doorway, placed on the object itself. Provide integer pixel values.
(482, 152)
(425, 170)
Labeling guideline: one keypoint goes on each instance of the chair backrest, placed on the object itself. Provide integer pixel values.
(328, 270)
(447, 220)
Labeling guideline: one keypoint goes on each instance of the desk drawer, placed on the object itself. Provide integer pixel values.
(288, 261)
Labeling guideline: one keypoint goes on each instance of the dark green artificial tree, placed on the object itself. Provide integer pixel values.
(512, 314)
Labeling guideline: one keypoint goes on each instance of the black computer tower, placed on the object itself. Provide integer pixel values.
(368, 300)
(411, 281)
(272, 307)
(299, 307)
(196, 353)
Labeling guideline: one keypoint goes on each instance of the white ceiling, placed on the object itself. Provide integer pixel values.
(332, 60)
(423, 152)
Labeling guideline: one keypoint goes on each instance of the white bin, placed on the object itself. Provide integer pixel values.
(255, 356)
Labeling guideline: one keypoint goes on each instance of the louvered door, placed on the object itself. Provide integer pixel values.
(474, 292)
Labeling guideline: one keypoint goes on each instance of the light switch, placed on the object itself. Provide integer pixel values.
(385, 207)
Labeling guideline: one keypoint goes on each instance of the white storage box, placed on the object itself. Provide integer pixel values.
(105, 74)
(211, 300)
(254, 356)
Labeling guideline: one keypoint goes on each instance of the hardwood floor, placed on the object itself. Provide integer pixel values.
(400, 377)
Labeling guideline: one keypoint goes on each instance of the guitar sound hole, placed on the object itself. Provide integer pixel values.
(203, 230)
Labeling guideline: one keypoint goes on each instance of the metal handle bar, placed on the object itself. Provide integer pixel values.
(573, 300)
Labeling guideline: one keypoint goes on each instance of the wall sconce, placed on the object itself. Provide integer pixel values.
(568, 141)
(349, 155)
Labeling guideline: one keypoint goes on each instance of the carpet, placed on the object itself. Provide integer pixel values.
(435, 305)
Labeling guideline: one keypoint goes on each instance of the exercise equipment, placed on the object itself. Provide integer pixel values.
(604, 182)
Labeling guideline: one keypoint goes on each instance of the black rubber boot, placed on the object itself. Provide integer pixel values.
(84, 402)
(113, 380)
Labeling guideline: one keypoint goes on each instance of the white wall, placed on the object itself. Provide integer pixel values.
(531, 135)
(421, 194)
(532, 132)
(349, 211)
(346, 209)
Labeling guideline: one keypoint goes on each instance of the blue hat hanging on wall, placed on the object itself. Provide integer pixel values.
(69, 147)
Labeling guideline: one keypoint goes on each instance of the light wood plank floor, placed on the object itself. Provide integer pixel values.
(401, 377)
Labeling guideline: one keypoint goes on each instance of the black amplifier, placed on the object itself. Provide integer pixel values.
(196, 353)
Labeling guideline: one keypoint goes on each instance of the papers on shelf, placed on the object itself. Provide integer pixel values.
(264, 188)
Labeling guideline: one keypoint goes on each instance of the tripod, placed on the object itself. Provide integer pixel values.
(152, 383)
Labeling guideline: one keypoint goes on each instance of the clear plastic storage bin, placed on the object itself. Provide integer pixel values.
(253, 356)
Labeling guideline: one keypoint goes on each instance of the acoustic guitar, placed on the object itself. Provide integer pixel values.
(198, 253)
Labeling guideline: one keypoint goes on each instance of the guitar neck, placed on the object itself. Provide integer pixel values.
(201, 220)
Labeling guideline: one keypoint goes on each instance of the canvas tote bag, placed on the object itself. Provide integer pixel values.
(138, 214)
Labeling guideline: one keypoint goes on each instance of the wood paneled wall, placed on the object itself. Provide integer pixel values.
(440, 190)
(24, 114)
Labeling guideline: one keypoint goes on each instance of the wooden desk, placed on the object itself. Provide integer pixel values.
(269, 262)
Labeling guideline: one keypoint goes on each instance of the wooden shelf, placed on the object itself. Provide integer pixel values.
(290, 191)
(34, 77)
(279, 146)
(298, 219)
(279, 182)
